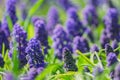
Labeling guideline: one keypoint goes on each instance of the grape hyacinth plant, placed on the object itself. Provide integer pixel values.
(69, 61)
(52, 20)
(34, 54)
(59, 40)
(80, 43)
(20, 37)
(41, 34)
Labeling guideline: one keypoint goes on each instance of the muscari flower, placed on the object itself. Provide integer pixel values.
(3, 39)
(73, 25)
(41, 33)
(117, 72)
(115, 46)
(111, 59)
(1, 61)
(90, 16)
(8, 76)
(65, 4)
(111, 24)
(52, 19)
(20, 37)
(60, 40)
(89, 33)
(108, 49)
(95, 3)
(32, 73)
(80, 43)
(104, 39)
(23, 11)
(97, 70)
(69, 64)
(34, 54)
(94, 48)
(11, 10)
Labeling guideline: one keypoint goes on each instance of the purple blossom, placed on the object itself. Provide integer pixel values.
(69, 62)
(72, 13)
(3, 39)
(117, 72)
(115, 46)
(32, 73)
(52, 19)
(111, 59)
(73, 25)
(95, 3)
(41, 33)
(104, 39)
(23, 11)
(90, 16)
(8, 76)
(20, 37)
(94, 48)
(61, 40)
(11, 10)
(5, 27)
(65, 4)
(108, 49)
(1, 61)
(111, 16)
(34, 54)
(111, 23)
(89, 33)
(97, 70)
(81, 44)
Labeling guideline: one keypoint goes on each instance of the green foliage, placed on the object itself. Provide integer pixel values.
(31, 12)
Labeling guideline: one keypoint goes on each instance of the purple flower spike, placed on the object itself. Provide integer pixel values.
(65, 4)
(1, 61)
(81, 44)
(94, 48)
(117, 72)
(11, 10)
(89, 34)
(115, 46)
(3, 39)
(111, 24)
(61, 40)
(95, 3)
(72, 13)
(111, 59)
(69, 64)
(52, 20)
(108, 49)
(73, 25)
(34, 54)
(90, 16)
(8, 76)
(104, 39)
(41, 33)
(20, 37)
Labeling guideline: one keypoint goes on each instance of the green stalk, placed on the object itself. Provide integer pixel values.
(85, 58)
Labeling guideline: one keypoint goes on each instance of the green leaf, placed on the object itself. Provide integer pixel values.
(3, 50)
(47, 71)
(31, 12)
(15, 59)
(10, 25)
(85, 58)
